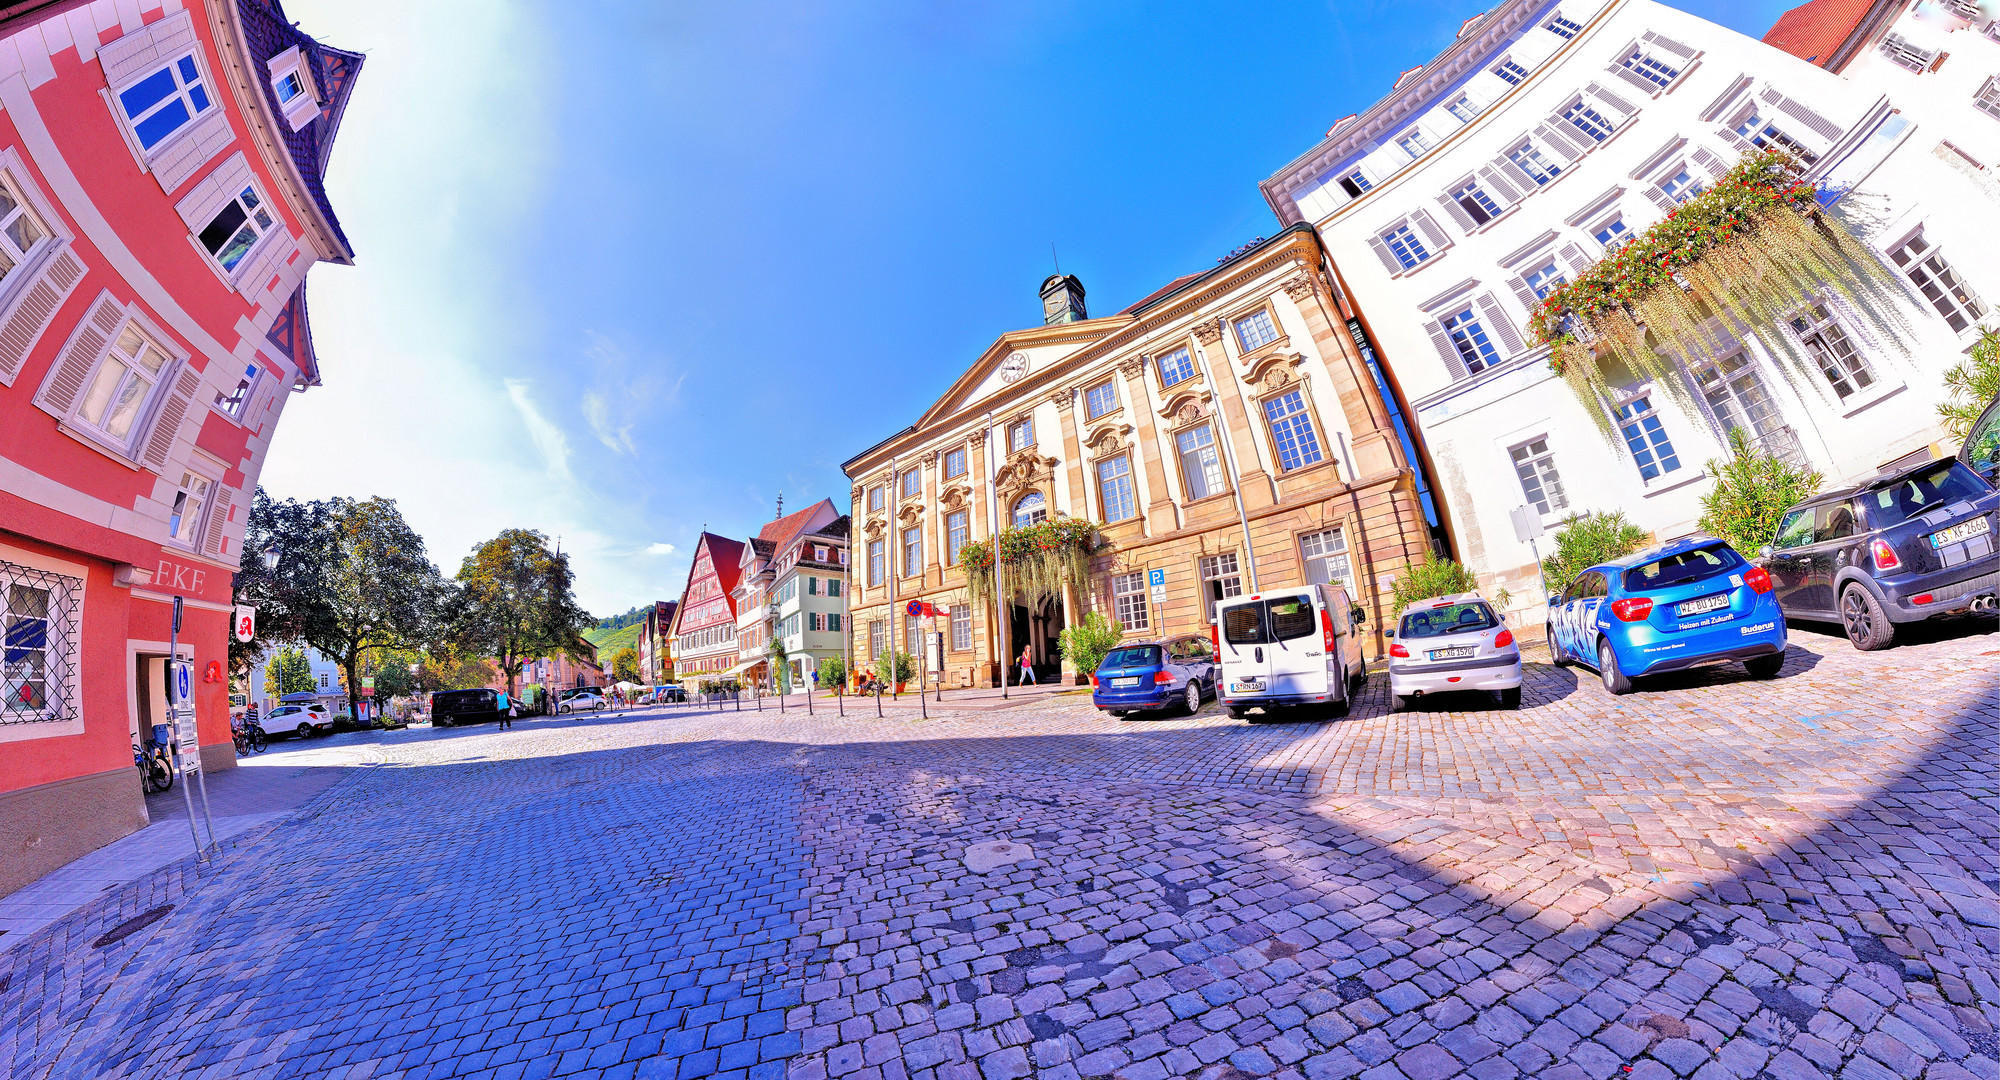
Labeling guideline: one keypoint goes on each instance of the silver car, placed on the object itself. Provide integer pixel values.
(1451, 643)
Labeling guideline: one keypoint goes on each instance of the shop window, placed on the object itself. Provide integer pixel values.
(38, 646)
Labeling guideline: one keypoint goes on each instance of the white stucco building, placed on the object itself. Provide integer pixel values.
(793, 590)
(1551, 132)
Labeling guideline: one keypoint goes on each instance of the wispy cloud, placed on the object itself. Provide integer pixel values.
(617, 439)
(660, 549)
(548, 438)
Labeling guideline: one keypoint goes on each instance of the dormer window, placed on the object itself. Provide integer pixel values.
(292, 84)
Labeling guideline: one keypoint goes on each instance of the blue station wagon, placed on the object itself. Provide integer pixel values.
(1178, 673)
(1678, 605)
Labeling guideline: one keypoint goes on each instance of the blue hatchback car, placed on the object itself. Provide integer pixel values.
(1678, 605)
(1178, 673)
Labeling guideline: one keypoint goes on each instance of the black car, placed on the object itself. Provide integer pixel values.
(449, 707)
(1981, 451)
(1911, 544)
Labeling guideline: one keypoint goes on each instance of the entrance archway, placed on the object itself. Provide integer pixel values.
(1039, 629)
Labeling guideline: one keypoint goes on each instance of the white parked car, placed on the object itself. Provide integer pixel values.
(1452, 643)
(579, 700)
(1289, 653)
(301, 719)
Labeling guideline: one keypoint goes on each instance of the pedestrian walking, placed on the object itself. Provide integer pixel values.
(1027, 665)
(506, 711)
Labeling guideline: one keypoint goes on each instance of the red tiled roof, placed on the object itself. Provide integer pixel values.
(1163, 290)
(1815, 30)
(786, 529)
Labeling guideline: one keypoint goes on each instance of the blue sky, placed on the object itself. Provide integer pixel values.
(628, 269)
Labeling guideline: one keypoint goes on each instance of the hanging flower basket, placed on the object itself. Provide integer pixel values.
(1750, 251)
(1038, 559)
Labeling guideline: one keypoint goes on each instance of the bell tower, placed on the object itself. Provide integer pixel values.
(1062, 300)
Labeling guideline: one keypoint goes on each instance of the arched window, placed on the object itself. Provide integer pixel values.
(1030, 509)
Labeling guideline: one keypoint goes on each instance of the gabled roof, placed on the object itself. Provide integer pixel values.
(786, 531)
(1081, 334)
(725, 557)
(266, 33)
(1823, 31)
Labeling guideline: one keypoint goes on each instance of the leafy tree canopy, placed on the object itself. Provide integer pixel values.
(1584, 540)
(516, 604)
(625, 665)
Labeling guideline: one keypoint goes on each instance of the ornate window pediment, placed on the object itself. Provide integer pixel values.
(1274, 371)
(910, 512)
(1025, 468)
(1187, 407)
(955, 496)
(1106, 438)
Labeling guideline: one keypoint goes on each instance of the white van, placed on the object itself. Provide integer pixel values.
(1290, 651)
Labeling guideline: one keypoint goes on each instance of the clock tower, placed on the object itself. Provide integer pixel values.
(1062, 300)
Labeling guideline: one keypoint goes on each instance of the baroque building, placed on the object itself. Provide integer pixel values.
(1551, 134)
(1230, 432)
(161, 203)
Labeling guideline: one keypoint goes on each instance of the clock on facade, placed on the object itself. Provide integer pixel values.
(1014, 367)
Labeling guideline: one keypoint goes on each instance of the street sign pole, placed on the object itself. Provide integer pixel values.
(174, 674)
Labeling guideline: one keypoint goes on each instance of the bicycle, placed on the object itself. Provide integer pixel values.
(156, 770)
(249, 737)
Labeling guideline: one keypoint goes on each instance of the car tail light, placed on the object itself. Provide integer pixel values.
(1093, 679)
(1632, 608)
(1215, 639)
(1885, 556)
(1758, 578)
(1503, 639)
(1398, 650)
(1326, 629)
(1163, 676)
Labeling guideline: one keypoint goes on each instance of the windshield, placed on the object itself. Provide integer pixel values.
(1132, 656)
(1921, 492)
(1448, 619)
(1682, 567)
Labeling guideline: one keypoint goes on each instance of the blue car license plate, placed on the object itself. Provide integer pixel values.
(1702, 604)
(1134, 681)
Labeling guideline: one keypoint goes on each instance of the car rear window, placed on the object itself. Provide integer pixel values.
(1262, 622)
(1292, 617)
(1244, 624)
(1448, 619)
(1132, 656)
(1695, 564)
(1921, 492)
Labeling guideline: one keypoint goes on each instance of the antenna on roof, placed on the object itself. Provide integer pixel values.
(1052, 257)
(781, 506)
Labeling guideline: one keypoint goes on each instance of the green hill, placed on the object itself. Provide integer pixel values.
(609, 641)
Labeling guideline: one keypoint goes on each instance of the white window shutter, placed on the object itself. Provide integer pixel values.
(148, 46)
(86, 344)
(1498, 323)
(1707, 160)
(1743, 146)
(1519, 175)
(201, 202)
(1498, 184)
(1670, 45)
(1819, 125)
(1555, 138)
(1613, 100)
(1524, 293)
(1456, 211)
(1382, 252)
(167, 424)
(1574, 256)
(1447, 352)
(35, 306)
(1660, 198)
(218, 521)
(1430, 230)
(186, 154)
(1644, 85)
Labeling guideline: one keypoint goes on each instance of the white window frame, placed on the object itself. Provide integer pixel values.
(263, 216)
(1680, 169)
(190, 523)
(1187, 365)
(1555, 503)
(1818, 338)
(305, 107)
(237, 406)
(1647, 65)
(1562, 27)
(961, 627)
(150, 339)
(1609, 239)
(1260, 319)
(910, 551)
(1962, 300)
(1223, 567)
(1408, 248)
(1202, 460)
(1638, 403)
(1128, 600)
(28, 211)
(1415, 137)
(955, 463)
(1474, 193)
(1907, 54)
(1509, 71)
(1573, 114)
(1327, 550)
(957, 534)
(1092, 408)
(128, 125)
(1524, 153)
(1020, 434)
(1552, 274)
(1987, 99)
(1116, 483)
(1471, 111)
(1755, 126)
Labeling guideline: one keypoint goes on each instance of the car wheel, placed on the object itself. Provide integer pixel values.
(1556, 654)
(1400, 702)
(1510, 698)
(1191, 701)
(1615, 681)
(305, 731)
(1866, 625)
(1764, 667)
(1238, 713)
(1337, 709)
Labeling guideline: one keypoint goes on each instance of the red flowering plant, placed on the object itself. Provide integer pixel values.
(1038, 560)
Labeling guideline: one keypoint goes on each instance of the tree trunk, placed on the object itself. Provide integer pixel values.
(353, 661)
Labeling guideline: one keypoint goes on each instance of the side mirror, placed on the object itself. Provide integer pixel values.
(1766, 551)
(1555, 598)
(1391, 632)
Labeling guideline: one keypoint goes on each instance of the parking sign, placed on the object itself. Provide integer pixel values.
(183, 682)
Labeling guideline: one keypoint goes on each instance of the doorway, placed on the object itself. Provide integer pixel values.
(1039, 628)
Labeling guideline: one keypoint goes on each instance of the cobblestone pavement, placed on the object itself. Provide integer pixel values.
(1713, 877)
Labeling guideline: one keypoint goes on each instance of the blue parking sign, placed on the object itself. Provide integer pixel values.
(1156, 577)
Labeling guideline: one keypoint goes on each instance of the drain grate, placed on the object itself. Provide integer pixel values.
(131, 926)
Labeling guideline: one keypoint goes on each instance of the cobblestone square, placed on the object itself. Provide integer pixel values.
(1713, 877)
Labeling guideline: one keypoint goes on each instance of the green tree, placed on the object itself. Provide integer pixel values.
(1584, 540)
(895, 667)
(1973, 383)
(1433, 577)
(288, 672)
(351, 578)
(625, 665)
(1086, 643)
(781, 665)
(516, 604)
(833, 674)
(1751, 493)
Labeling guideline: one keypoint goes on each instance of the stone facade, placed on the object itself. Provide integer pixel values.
(1242, 380)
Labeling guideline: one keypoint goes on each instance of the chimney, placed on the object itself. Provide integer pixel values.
(1062, 300)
